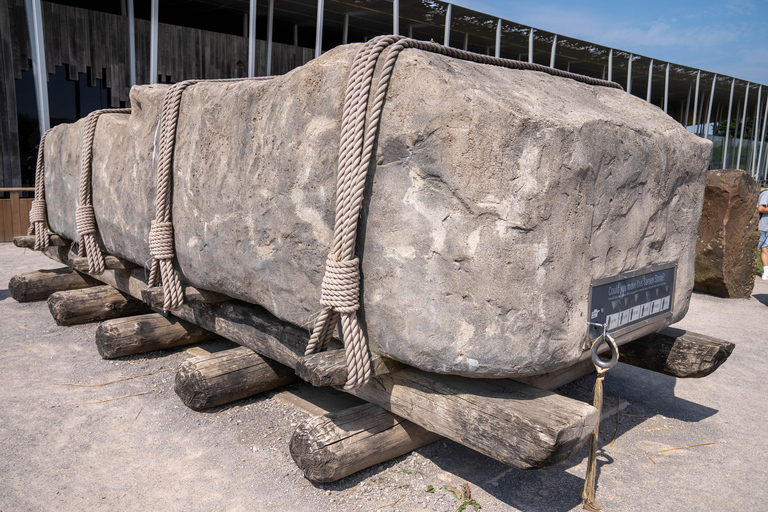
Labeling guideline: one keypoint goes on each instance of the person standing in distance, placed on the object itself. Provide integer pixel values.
(762, 209)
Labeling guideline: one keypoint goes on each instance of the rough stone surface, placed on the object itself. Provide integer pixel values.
(728, 235)
(496, 197)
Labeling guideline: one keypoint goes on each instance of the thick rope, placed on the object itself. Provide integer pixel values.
(358, 134)
(38, 219)
(588, 494)
(161, 245)
(84, 216)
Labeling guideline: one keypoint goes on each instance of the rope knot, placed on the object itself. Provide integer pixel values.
(37, 212)
(85, 219)
(341, 285)
(161, 240)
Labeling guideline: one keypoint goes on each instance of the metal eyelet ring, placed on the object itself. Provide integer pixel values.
(607, 365)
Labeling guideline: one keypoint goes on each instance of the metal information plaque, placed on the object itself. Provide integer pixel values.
(632, 301)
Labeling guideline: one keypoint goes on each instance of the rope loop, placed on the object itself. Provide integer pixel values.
(341, 285)
(161, 240)
(85, 219)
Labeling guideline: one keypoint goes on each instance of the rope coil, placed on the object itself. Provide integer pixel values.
(85, 218)
(38, 217)
(359, 128)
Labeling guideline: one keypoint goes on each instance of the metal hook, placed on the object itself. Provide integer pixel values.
(607, 365)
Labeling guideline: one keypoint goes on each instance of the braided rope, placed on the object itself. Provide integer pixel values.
(85, 218)
(161, 244)
(341, 282)
(38, 219)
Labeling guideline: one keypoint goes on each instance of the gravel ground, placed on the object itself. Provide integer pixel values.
(73, 439)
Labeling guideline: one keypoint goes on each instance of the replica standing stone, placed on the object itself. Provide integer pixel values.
(495, 198)
(728, 235)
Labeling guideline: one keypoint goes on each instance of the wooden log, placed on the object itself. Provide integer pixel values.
(514, 423)
(222, 377)
(154, 296)
(329, 368)
(28, 241)
(42, 283)
(329, 447)
(120, 337)
(676, 352)
(92, 304)
(111, 262)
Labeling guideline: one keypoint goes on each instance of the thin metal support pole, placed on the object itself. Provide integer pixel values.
(396, 17)
(728, 126)
(666, 88)
(153, 43)
(755, 129)
(319, 29)
(37, 45)
(131, 44)
(552, 55)
(270, 34)
(687, 106)
(345, 30)
(447, 35)
(629, 74)
(709, 109)
(530, 44)
(252, 39)
(466, 41)
(498, 38)
(610, 65)
(762, 144)
(650, 81)
(696, 100)
(743, 124)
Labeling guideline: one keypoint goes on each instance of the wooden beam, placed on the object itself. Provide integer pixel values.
(329, 447)
(154, 296)
(329, 368)
(676, 352)
(120, 337)
(28, 242)
(93, 304)
(40, 284)
(223, 377)
(111, 262)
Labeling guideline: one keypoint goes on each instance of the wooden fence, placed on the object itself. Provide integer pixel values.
(14, 213)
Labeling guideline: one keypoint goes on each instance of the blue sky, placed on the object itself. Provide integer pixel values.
(728, 37)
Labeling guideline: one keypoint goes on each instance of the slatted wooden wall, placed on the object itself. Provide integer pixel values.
(14, 214)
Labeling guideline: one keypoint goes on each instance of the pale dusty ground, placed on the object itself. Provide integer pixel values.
(61, 450)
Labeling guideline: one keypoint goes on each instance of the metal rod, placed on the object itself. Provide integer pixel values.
(552, 55)
(650, 81)
(270, 34)
(396, 17)
(498, 38)
(153, 43)
(743, 124)
(319, 29)
(756, 128)
(610, 65)
(131, 44)
(728, 126)
(447, 35)
(345, 30)
(629, 74)
(530, 44)
(687, 106)
(295, 34)
(466, 41)
(762, 145)
(252, 39)
(37, 45)
(666, 88)
(709, 110)
(696, 100)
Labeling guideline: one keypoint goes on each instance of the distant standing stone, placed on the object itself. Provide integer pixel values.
(728, 236)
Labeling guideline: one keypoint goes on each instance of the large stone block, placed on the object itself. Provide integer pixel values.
(496, 197)
(728, 235)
